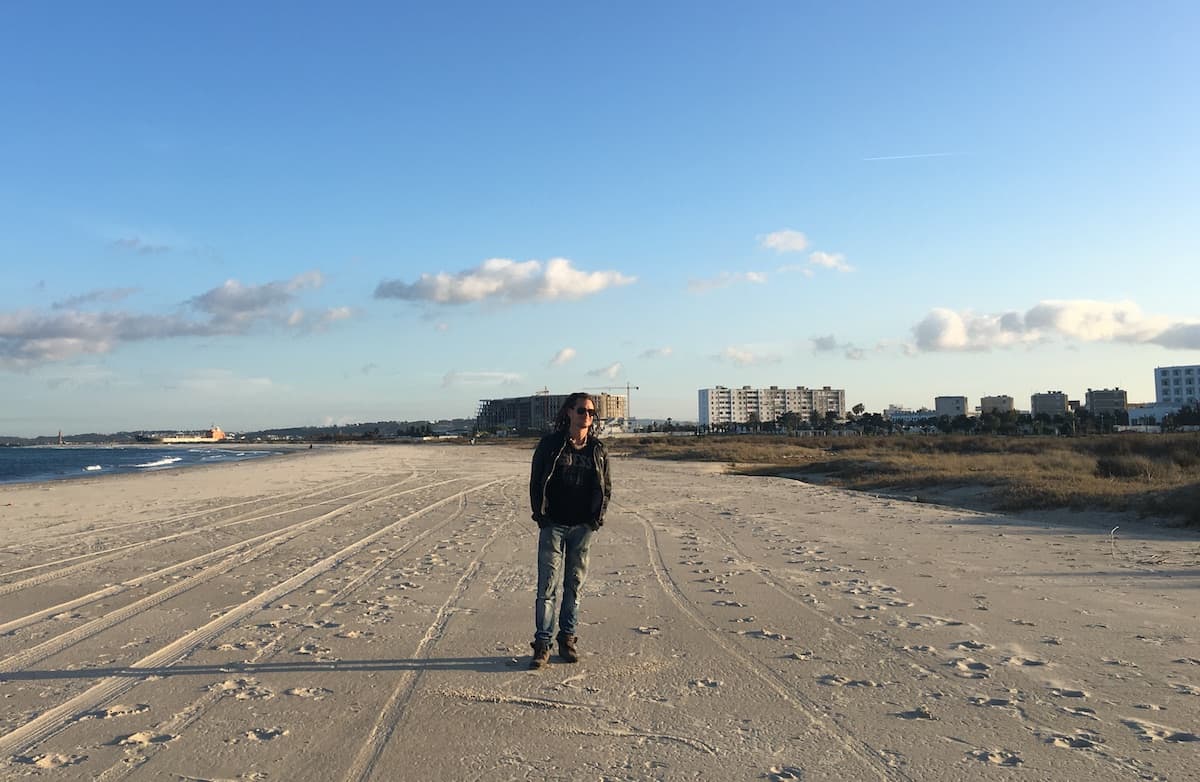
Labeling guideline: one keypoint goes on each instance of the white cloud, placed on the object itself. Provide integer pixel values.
(141, 246)
(829, 344)
(612, 371)
(785, 241)
(663, 352)
(504, 280)
(1073, 320)
(746, 357)
(724, 280)
(457, 378)
(28, 338)
(334, 314)
(232, 305)
(562, 357)
(107, 295)
(835, 261)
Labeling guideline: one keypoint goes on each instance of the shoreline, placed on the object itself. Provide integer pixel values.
(100, 475)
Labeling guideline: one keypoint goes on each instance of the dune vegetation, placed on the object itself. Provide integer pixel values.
(1151, 475)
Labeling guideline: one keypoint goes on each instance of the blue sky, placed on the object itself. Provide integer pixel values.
(278, 214)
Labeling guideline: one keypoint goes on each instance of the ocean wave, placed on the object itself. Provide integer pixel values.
(168, 461)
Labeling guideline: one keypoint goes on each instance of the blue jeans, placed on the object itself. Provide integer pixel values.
(559, 544)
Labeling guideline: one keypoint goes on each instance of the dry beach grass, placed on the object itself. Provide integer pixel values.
(1154, 475)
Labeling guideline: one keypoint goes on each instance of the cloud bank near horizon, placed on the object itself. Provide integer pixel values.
(504, 280)
(1079, 320)
(28, 338)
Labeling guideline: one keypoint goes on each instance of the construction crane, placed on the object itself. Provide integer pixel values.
(628, 399)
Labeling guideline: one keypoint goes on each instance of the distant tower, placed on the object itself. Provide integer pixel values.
(60, 439)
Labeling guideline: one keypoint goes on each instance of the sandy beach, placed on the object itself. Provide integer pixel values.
(364, 613)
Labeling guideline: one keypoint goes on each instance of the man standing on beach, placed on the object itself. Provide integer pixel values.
(569, 489)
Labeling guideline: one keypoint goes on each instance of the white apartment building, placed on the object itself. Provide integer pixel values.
(721, 405)
(952, 406)
(1177, 385)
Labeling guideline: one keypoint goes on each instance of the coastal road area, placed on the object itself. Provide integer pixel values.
(365, 613)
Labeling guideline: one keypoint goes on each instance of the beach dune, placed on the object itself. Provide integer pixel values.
(364, 613)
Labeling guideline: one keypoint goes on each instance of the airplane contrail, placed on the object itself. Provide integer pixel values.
(910, 157)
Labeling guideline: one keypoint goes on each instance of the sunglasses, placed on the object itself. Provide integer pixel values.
(586, 411)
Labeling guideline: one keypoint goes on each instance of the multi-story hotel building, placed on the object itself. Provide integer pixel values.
(996, 404)
(1051, 403)
(536, 413)
(1177, 385)
(721, 405)
(1106, 401)
(952, 406)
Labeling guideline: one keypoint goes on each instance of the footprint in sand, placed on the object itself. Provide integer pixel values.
(1079, 711)
(970, 646)
(704, 684)
(970, 668)
(729, 604)
(648, 630)
(764, 633)
(145, 738)
(1115, 661)
(1148, 731)
(1000, 757)
(316, 693)
(1080, 739)
(265, 734)
(995, 702)
(115, 711)
(312, 649)
(919, 713)
(1023, 661)
(801, 654)
(50, 760)
(784, 774)
(834, 680)
(1186, 689)
(243, 689)
(1062, 692)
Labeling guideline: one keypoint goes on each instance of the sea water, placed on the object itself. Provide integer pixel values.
(48, 463)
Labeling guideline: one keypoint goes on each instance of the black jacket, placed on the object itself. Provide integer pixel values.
(545, 457)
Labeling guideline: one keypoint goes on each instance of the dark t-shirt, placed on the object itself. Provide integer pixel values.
(573, 484)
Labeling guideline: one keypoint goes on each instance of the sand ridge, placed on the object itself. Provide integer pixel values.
(364, 613)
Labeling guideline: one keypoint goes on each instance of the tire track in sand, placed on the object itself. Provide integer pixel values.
(869, 757)
(194, 711)
(393, 711)
(54, 720)
(265, 541)
(105, 555)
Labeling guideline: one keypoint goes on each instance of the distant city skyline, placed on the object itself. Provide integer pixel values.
(389, 212)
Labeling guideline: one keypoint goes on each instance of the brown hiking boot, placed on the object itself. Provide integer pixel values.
(541, 654)
(566, 648)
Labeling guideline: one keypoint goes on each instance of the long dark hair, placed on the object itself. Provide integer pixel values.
(563, 419)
